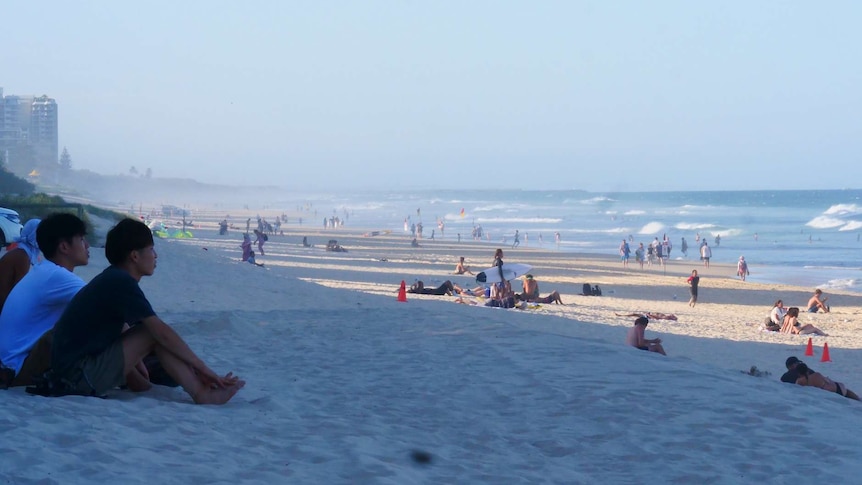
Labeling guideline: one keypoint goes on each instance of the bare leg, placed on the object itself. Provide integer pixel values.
(852, 395)
(657, 348)
(138, 342)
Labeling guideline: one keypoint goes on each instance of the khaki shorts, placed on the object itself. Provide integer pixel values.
(101, 372)
(38, 361)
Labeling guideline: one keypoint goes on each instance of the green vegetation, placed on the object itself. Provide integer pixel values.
(40, 205)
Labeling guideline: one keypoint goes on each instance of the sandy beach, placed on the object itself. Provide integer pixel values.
(345, 384)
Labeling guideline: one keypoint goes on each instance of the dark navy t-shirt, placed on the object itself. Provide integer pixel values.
(94, 318)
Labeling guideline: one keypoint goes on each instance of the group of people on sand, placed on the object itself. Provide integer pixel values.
(62, 336)
(786, 320)
(498, 294)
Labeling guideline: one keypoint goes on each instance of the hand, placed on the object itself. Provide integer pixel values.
(142, 369)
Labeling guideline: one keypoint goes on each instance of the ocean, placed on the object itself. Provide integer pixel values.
(801, 237)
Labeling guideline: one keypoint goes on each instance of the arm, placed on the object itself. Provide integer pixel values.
(166, 337)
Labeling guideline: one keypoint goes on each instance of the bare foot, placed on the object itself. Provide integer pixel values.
(218, 395)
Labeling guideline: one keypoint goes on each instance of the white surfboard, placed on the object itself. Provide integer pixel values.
(510, 272)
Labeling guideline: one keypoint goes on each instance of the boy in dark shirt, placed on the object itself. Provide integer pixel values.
(91, 352)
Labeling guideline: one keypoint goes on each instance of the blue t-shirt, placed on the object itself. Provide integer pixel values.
(94, 318)
(33, 307)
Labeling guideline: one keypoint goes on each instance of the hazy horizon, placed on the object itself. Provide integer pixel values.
(595, 96)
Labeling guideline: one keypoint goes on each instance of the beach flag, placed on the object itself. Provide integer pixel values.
(809, 351)
(402, 292)
(462, 212)
(825, 357)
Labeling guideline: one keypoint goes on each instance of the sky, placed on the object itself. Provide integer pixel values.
(601, 96)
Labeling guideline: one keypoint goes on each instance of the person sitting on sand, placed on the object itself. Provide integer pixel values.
(461, 268)
(776, 316)
(635, 337)
(531, 292)
(501, 295)
(252, 260)
(16, 262)
(414, 243)
(818, 302)
(444, 289)
(808, 377)
(791, 324)
(35, 304)
(650, 315)
(91, 354)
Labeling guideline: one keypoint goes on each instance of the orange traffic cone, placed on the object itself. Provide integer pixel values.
(809, 351)
(825, 357)
(402, 292)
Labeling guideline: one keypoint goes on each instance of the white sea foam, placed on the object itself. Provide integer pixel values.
(824, 222)
(614, 230)
(520, 220)
(851, 226)
(652, 228)
(499, 207)
(634, 213)
(597, 200)
(841, 283)
(843, 209)
(693, 226)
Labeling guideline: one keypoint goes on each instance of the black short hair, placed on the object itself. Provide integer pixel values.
(56, 228)
(642, 321)
(127, 236)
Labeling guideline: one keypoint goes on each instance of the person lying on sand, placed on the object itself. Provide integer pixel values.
(91, 354)
(635, 337)
(808, 377)
(791, 324)
(650, 315)
(477, 291)
(444, 289)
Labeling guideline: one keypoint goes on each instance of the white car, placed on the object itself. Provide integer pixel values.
(10, 226)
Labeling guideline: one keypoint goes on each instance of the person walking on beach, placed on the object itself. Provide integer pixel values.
(91, 353)
(742, 268)
(639, 255)
(260, 239)
(684, 248)
(705, 254)
(818, 302)
(693, 281)
(635, 337)
(557, 239)
(517, 241)
(625, 252)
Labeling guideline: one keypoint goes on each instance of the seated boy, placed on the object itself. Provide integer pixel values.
(636, 338)
(91, 354)
(38, 300)
(818, 302)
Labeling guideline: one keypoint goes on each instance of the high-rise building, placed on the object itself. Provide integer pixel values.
(28, 131)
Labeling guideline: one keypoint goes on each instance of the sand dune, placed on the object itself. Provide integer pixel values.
(345, 383)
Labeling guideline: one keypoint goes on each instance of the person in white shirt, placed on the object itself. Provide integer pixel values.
(38, 300)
